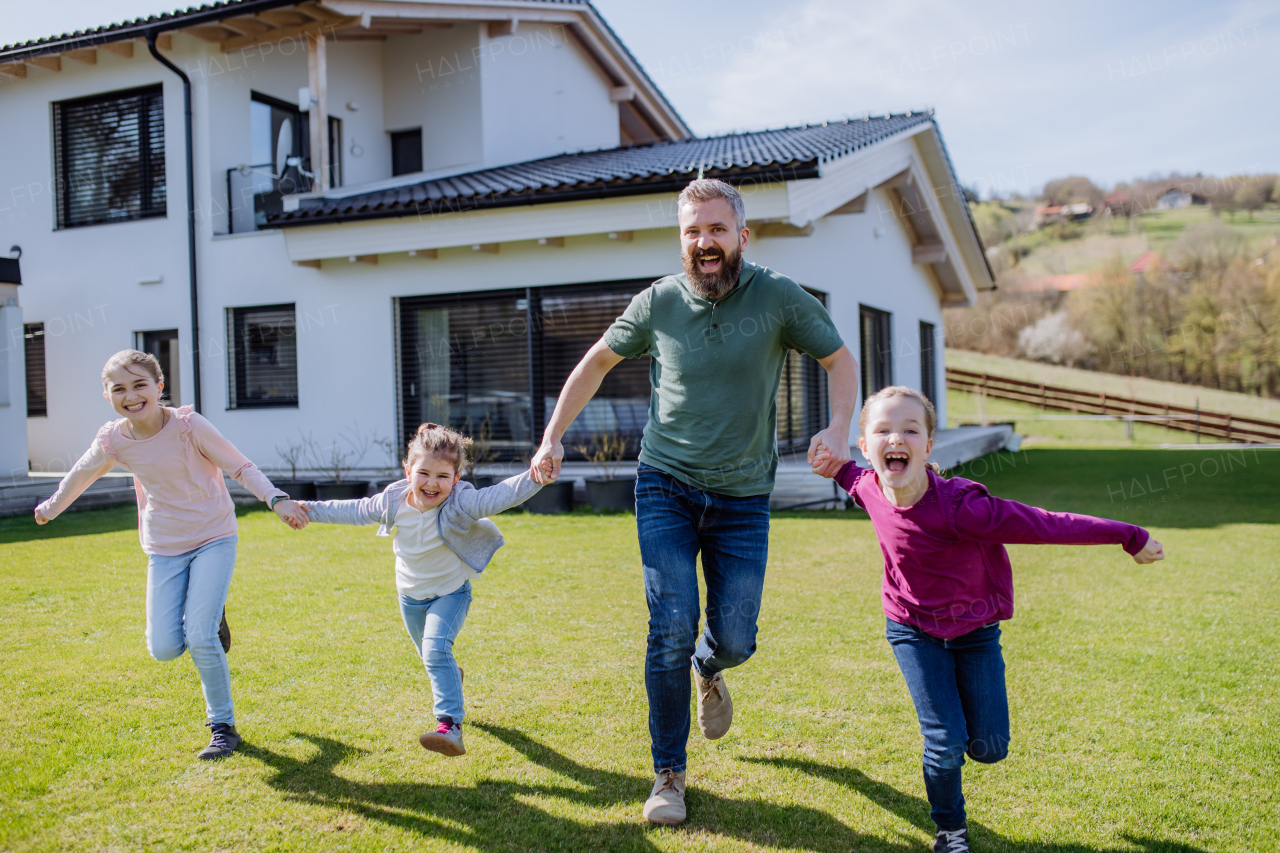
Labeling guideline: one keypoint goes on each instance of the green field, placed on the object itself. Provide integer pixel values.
(1099, 240)
(1152, 390)
(1143, 699)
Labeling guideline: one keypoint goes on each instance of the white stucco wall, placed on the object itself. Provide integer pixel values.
(542, 96)
(13, 388)
(432, 81)
(845, 258)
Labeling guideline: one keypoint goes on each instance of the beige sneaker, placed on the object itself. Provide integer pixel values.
(715, 708)
(666, 802)
(446, 740)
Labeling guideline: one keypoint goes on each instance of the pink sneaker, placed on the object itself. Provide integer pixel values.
(446, 740)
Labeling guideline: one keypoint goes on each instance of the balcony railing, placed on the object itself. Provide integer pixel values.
(255, 192)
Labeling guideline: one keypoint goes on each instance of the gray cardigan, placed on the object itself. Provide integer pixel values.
(461, 521)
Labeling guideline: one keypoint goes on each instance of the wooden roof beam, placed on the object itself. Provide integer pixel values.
(16, 69)
(284, 17)
(313, 29)
(119, 48)
(48, 63)
(87, 55)
(211, 33)
(247, 25)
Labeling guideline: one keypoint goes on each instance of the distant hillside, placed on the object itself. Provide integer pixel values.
(1173, 393)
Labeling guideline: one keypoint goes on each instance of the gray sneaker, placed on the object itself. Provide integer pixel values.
(223, 742)
(666, 802)
(715, 708)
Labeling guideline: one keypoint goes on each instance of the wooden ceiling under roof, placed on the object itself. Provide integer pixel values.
(308, 19)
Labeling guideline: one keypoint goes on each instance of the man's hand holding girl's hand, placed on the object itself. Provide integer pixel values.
(828, 451)
(292, 513)
(820, 457)
(1150, 552)
(545, 465)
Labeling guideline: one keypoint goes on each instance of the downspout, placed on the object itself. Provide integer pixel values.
(191, 219)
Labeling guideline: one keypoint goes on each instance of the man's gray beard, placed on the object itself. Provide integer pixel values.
(713, 287)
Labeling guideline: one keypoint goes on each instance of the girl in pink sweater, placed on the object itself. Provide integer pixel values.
(186, 522)
(948, 585)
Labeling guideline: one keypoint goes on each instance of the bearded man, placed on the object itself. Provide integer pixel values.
(718, 336)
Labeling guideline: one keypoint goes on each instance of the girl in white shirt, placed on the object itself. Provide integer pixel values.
(443, 540)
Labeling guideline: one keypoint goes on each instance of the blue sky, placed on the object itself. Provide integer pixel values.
(1023, 92)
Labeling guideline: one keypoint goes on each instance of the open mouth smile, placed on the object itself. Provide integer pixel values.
(896, 461)
(134, 408)
(708, 262)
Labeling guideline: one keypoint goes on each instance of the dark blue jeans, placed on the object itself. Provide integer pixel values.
(958, 689)
(675, 522)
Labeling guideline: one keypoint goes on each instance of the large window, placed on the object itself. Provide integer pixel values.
(37, 395)
(263, 367)
(928, 363)
(876, 335)
(109, 155)
(164, 346)
(494, 364)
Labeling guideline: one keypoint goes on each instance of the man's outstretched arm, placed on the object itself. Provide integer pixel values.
(842, 391)
(582, 385)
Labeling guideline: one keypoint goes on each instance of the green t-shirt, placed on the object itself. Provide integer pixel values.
(713, 414)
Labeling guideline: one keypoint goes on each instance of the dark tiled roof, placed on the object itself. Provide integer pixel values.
(167, 21)
(762, 157)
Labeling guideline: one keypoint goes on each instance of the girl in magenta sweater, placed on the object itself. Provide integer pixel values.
(186, 522)
(948, 585)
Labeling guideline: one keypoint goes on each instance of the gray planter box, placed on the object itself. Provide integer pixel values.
(344, 491)
(298, 490)
(618, 493)
(554, 498)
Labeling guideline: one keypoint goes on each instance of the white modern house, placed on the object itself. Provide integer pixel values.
(402, 211)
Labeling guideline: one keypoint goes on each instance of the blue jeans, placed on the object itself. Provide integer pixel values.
(675, 522)
(958, 690)
(433, 625)
(186, 595)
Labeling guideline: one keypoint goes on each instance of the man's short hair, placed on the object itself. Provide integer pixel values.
(707, 189)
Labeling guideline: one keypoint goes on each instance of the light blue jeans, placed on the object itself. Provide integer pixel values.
(433, 625)
(186, 595)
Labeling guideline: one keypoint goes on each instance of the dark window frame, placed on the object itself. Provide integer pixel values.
(239, 394)
(151, 186)
(929, 361)
(875, 337)
(398, 167)
(37, 379)
(148, 341)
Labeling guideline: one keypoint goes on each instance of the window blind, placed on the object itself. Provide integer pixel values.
(877, 353)
(37, 394)
(109, 151)
(264, 356)
(928, 363)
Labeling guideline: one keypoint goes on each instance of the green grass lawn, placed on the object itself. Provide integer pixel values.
(1143, 699)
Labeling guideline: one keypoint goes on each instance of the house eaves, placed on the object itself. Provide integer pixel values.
(764, 157)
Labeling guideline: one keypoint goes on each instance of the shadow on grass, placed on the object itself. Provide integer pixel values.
(915, 810)
(497, 815)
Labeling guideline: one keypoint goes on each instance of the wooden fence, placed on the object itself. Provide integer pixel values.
(1210, 424)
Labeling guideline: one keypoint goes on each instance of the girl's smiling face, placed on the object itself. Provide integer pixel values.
(133, 393)
(431, 480)
(896, 441)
